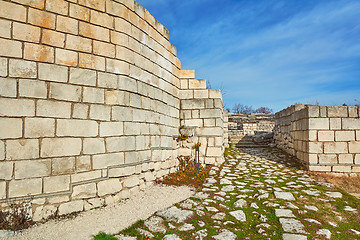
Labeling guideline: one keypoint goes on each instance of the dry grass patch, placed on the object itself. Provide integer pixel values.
(350, 184)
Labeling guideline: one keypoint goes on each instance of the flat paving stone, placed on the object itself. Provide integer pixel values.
(292, 225)
(284, 195)
(171, 237)
(155, 224)
(225, 235)
(284, 213)
(175, 214)
(333, 194)
(324, 232)
(287, 236)
(239, 215)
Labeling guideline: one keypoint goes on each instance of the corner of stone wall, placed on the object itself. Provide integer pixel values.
(324, 138)
(201, 110)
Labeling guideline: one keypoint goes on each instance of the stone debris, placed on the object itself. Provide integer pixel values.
(333, 194)
(287, 236)
(171, 237)
(312, 192)
(313, 221)
(155, 224)
(122, 237)
(186, 227)
(225, 235)
(355, 231)
(239, 215)
(200, 234)
(312, 208)
(225, 181)
(284, 213)
(241, 203)
(145, 233)
(324, 232)
(175, 214)
(350, 209)
(219, 216)
(284, 195)
(292, 225)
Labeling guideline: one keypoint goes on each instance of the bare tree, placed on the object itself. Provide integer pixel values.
(264, 110)
(242, 109)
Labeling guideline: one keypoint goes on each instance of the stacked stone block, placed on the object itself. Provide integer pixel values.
(324, 138)
(89, 103)
(202, 115)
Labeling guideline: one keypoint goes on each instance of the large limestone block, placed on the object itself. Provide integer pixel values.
(326, 136)
(57, 147)
(354, 147)
(337, 111)
(120, 113)
(76, 128)
(84, 191)
(39, 127)
(7, 85)
(53, 109)
(319, 123)
(65, 165)
(109, 186)
(351, 123)
(107, 80)
(10, 128)
(51, 72)
(22, 69)
(65, 92)
(6, 170)
(94, 145)
(70, 207)
(328, 159)
(315, 147)
(82, 77)
(94, 95)
(2, 190)
(187, 74)
(110, 129)
(85, 176)
(44, 212)
(83, 163)
(21, 188)
(80, 111)
(11, 48)
(32, 168)
(100, 112)
(214, 151)
(13, 11)
(17, 107)
(22, 149)
(131, 181)
(2, 150)
(210, 113)
(108, 159)
(344, 136)
(121, 172)
(335, 147)
(116, 144)
(56, 184)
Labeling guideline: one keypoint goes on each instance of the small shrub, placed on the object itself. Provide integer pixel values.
(104, 236)
(16, 217)
(186, 174)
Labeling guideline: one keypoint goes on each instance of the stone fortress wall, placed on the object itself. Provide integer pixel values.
(324, 138)
(250, 124)
(92, 98)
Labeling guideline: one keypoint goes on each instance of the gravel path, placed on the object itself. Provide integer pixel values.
(111, 219)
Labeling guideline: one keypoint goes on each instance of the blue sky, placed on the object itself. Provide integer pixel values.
(270, 53)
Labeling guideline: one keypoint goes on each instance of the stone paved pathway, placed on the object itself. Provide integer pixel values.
(256, 194)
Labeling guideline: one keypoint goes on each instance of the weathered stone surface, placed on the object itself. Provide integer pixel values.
(10, 128)
(84, 191)
(175, 214)
(287, 236)
(284, 195)
(56, 147)
(284, 213)
(22, 149)
(109, 186)
(33, 168)
(21, 188)
(225, 235)
(239, 215)
(57, 184)
(70, 207)
(44, 212)
(132, 181)
(292, 225)
(155, 224)
(39, 127)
